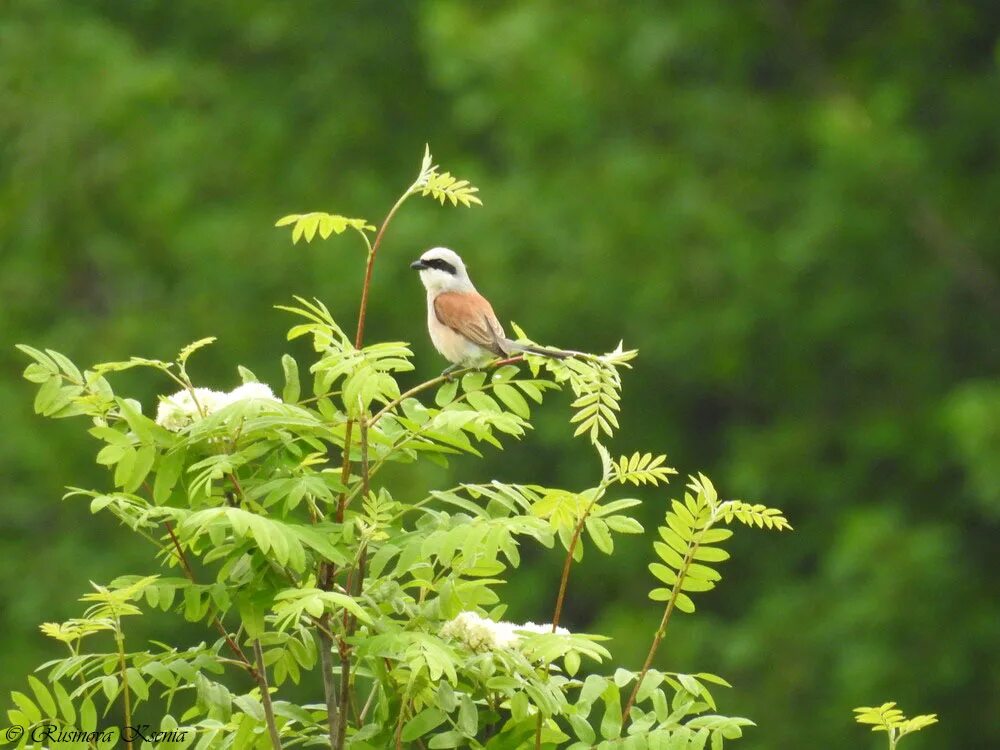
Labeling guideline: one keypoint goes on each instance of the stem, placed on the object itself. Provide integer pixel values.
(265, 696)
(328, 571)
(329, 689)
(568, 563)
(563, 583)
(350, 622)
(363, 312)
(345, 693)
(436, 381)
(126, 698)
(368, 704)
(233, 645)
(399, 722)
(662, 629)
(83, 682)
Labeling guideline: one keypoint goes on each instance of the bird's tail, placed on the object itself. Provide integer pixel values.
(510, 347)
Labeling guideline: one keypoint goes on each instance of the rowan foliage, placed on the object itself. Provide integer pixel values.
(269, 526)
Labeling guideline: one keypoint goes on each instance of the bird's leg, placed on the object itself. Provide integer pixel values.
(448, 371)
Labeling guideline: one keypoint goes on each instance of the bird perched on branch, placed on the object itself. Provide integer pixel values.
(461, 322)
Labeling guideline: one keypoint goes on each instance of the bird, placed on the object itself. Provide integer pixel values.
(461, 321)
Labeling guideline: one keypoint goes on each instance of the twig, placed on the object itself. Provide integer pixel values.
(265, 696)
(436, 381)
(329, 688)
(561, 596)
(345, 693)
(126, 698)
(399, 722)
(328, 570)
(568, 563)
(362, 313)
(349, 621)
(662, 629)
(368, 704)
(233, 645)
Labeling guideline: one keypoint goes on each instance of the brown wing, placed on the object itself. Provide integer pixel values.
(472, 316)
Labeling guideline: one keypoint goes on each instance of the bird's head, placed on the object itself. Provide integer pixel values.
(441, 270)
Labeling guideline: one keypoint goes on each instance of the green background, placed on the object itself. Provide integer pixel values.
(790, 209)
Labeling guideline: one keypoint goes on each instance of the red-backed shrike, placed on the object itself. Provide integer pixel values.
(460, 320)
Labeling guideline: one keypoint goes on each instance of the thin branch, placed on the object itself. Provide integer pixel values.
(265, 696)
(327, 570)
(662, 629)
(400, 720)
(126, 698)
(329, 688)
(437, 381)
(363, 312)
(345, 693)
(233, 645)
(350, 622)
(568, 563)
(368, 704)
(564, 582)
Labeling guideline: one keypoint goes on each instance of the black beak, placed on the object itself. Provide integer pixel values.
(418, 265)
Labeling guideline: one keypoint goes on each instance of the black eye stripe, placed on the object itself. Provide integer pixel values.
(440, 265)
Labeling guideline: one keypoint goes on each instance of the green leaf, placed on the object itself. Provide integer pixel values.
(44, 697)
(28, 708)
(519, 706)
(584, 732)
(144, 458)
(684, 603)
(88, 715)
(473, 381)
(668, 555)
(65, 703)
(593, 686)
(191, 348)
(598, 530)
(424, 722)
(468, 716)
(307, 225)
(513, 399)
(572, 663)
(167, 473)
(611, 723)
(109, 684)
(710, 554)
(446, 393)
(665, 574)
(290, 394)
(482, 402)
(252, 608)
(47, 394)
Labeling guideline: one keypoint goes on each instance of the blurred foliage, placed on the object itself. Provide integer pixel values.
(788, 208)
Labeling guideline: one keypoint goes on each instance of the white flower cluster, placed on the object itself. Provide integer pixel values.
(482, 634)
(179, 410)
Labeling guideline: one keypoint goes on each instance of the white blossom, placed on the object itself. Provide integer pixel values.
(179, 410)
(545, 627)
(482, 634)
(249, 391)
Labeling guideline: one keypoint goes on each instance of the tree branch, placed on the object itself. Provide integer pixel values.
(437, 381)
(233, 645)
(265, 696)
(662, 629)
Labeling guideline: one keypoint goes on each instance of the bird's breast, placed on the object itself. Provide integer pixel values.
(452, 345)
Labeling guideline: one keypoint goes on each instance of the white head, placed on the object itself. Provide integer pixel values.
(441, 270)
